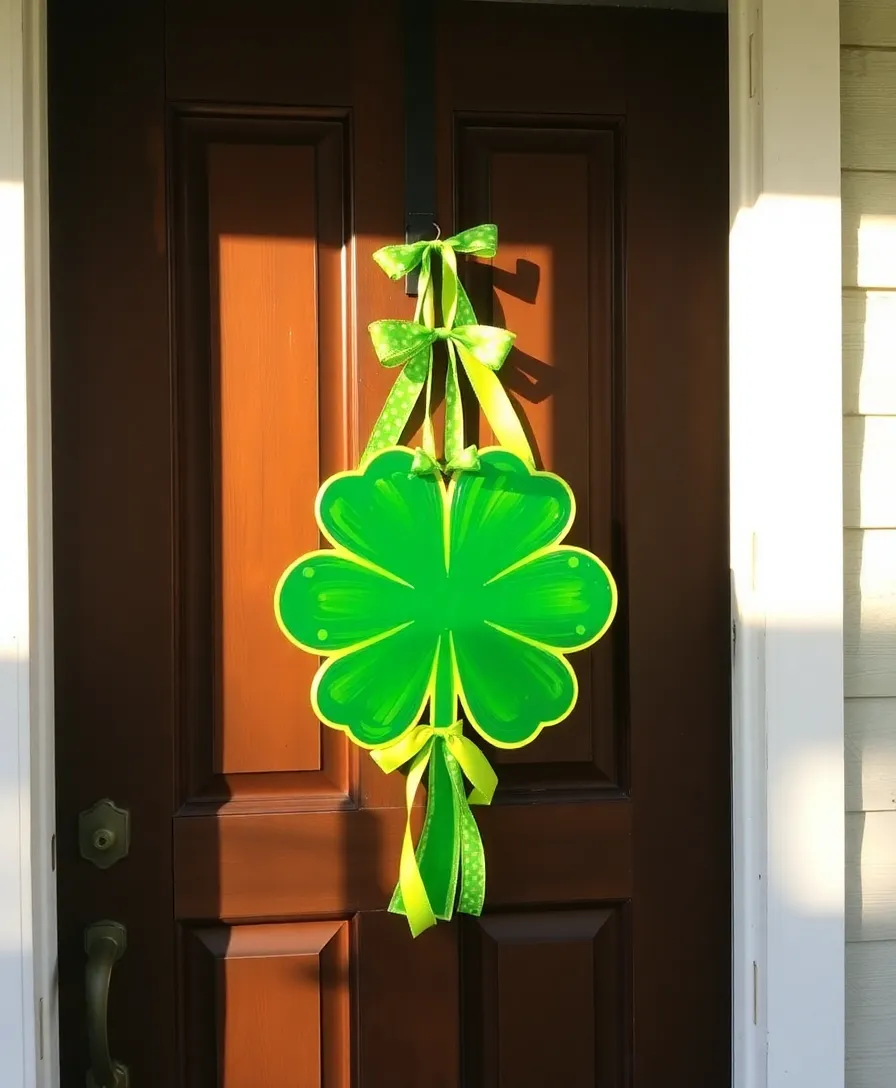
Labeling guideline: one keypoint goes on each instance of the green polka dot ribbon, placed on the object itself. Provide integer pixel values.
(481, 350)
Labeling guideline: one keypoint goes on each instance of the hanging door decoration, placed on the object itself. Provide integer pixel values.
(447, 602)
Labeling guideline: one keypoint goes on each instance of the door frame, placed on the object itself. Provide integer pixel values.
(788, 935)
(785, 370)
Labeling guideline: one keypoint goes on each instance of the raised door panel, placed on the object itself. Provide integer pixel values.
(551, 184)
(264, 378)
(320, 1004)
(545, 999)
(267, 1005)
(408, 1001)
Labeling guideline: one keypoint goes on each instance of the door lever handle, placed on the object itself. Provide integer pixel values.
(105, 944)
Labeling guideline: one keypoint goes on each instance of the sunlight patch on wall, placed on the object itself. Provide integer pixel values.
(807, 857)
(788, 366)
(869, 359)
(877, 250)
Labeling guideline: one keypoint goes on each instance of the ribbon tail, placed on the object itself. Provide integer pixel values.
(438, 852)
(429, 434)
(411, 898)
(454, 409)
(464, 312)
(450, 286)
(497, 407)
(437, 858)
(425, 310)
(472, 886)
(479, 772)
(393, 419)
(425, 314)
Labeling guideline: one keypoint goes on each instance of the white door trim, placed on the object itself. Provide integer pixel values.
(27, 784)
(786, 543)
(786, 550)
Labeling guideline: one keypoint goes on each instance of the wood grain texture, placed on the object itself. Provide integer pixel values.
(871, 755)
(869, 229)
(870, 1013)
(869, 472)
(870, 612)
(868, 22)
(869, 352)
(867, 88)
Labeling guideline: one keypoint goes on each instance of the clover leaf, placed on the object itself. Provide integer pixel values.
(474, 568)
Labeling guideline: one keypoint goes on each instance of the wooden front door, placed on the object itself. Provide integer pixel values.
(220, 176)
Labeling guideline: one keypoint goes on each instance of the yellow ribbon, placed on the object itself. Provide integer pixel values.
(416, 747)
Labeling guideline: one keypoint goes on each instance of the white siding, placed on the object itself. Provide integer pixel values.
(869, 457)
(868, 95)
(868, 22)
(870, 1034)
(870, 755)
(869, 620)
(870, 876)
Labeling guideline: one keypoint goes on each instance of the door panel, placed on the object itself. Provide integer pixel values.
(219, 180)
(284, 993)
(553, 282)
(543, 993)
(264, 390)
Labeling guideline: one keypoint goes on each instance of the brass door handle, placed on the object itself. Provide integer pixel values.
(104, 943)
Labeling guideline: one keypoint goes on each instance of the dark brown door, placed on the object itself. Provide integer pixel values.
(220, 175)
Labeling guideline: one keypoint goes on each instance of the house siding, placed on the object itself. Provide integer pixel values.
(868, 98)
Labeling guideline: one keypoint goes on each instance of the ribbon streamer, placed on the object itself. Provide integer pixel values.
(481, 349)
(426, 885)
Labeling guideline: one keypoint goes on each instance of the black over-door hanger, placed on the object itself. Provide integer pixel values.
(420, 135)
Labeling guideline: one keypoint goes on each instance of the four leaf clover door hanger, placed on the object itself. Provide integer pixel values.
(447, 602)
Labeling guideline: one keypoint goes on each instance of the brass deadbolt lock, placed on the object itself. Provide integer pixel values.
(104, 833)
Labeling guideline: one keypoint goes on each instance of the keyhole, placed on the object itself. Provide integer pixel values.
(103, 839)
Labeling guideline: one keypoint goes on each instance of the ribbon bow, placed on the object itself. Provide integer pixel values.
(425, 465)
(397, 261)
(482, 350)
(426, 886)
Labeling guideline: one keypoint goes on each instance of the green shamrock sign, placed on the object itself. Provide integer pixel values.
(472, 572)
(444, 601)
(434, 594)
